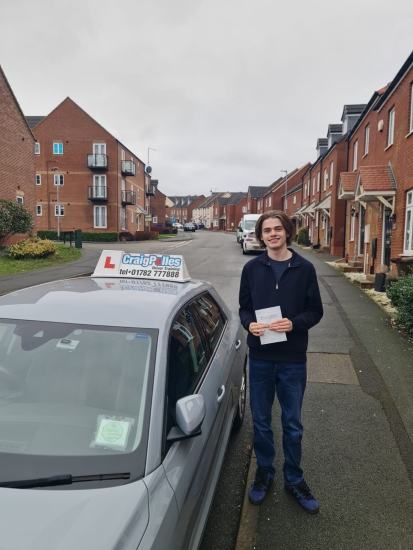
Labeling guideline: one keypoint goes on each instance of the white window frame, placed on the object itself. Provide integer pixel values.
(316, 218)
(355, 154)
(248, 206)
(19, 199)
(96, 148)
(294, 199)
(408, 225)
(244, 209)
(331, 176)
(39, 210)
(59, 210)
(155, 219)
(99, 182)
(305, 190)
(411, 107)
(57, 147)
(318, 181)
(98, 222)
(325, 179)
(38, 179)
(366, 139)
(123, 219)
(313, 185)
(122, 154)
(131, 217)
(37, 148)
(392, 116)
(352, 227)
(59, 179)
(269, 201)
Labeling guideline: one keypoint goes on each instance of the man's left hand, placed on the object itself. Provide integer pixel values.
(281, 325)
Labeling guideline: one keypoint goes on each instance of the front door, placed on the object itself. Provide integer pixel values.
(362, 223)
(387, 228)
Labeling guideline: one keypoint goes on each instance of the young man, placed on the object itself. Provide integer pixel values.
(279, 277)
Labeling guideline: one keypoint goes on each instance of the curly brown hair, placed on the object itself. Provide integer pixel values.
(285, 222)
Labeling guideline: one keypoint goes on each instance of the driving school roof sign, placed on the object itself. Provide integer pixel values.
(116, 263)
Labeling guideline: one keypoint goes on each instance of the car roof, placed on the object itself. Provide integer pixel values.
(102, 301)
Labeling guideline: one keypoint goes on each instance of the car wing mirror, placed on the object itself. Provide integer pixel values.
(189, 413)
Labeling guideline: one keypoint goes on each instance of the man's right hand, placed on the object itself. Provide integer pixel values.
(257, 329)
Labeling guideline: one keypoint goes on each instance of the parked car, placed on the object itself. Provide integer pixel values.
(250, 243)
(189, 227)
(118, 396)
(178, 225)
(246, 224)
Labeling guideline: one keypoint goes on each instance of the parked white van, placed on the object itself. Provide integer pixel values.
(246, 224)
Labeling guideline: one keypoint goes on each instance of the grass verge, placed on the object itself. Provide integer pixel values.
(66, 254)
(166, 236)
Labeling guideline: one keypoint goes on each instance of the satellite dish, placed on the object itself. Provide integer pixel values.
(148, 169)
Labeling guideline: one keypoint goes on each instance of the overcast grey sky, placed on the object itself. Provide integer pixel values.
(229, 92)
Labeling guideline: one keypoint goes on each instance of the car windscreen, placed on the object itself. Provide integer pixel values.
(249, 224)
(74, 399)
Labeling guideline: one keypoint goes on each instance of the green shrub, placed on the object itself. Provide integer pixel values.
(295, 237)
(91, 236)
(126, 236)
(32, 248)
(302, 235)
(401, 295)
(146, 235)
(14, 218)
(165, 231)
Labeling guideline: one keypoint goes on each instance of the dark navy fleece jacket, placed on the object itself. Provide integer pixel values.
(296, 293)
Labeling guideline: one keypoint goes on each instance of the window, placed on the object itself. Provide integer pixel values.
(316, 218)
(269, 201)
(355, 150)
(58, 179)
(59, 210)
(294, 199)
(58, 148)
(37, 148)
(99, 186)
(408, 234)
(367, 139)
(392, 114)
(216, 210)
(244, 209)
(20, 199)
(99, 148)
(305, 190)
(99, 216)
(318, 182)
(325, 179)
(331, 177)
(123, 218)
(248, 206)
(314, 185)
(187, 360)
(215, 222)
(211, 318)
(411, 107)
(122, 155)
(39, 209)
(38, 179)
(352, 225)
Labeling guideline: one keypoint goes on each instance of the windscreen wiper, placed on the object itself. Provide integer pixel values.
(60, 480)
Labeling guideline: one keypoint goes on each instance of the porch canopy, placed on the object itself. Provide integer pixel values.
(299, 213)
(375, 184)
(309, 210)
(347, 185)
(324, 205)
(140, 210)
(224, 217)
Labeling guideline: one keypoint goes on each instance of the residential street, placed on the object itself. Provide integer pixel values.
(358, 420)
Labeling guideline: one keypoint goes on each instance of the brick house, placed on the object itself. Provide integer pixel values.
(204, 213)
(235, 209)
(17, 162)
(252, 195)
(86, 178)
(157, 209)
(182, 209)
(380, 166)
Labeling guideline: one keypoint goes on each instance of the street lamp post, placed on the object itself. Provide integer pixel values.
(285, 196)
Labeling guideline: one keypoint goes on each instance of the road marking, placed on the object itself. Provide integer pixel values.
(176, 246)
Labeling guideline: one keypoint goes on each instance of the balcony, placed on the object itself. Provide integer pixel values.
(99, 193)
(128, 168)
(97, 162)
(128, 197)
(150, 190)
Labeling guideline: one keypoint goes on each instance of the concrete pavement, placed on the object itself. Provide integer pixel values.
(358, 438)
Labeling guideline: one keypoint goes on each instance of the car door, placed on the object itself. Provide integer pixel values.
(189, 464)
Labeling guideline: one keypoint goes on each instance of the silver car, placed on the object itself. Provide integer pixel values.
(118, 397)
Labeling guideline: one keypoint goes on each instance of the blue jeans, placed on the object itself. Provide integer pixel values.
(289, 381)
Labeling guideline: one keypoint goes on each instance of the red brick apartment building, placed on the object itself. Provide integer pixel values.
(17, 168)
(378, 182)
(86, 177)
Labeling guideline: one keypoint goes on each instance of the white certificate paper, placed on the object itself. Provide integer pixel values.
(268, 316)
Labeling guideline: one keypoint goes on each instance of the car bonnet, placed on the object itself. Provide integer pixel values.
(67, 519)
